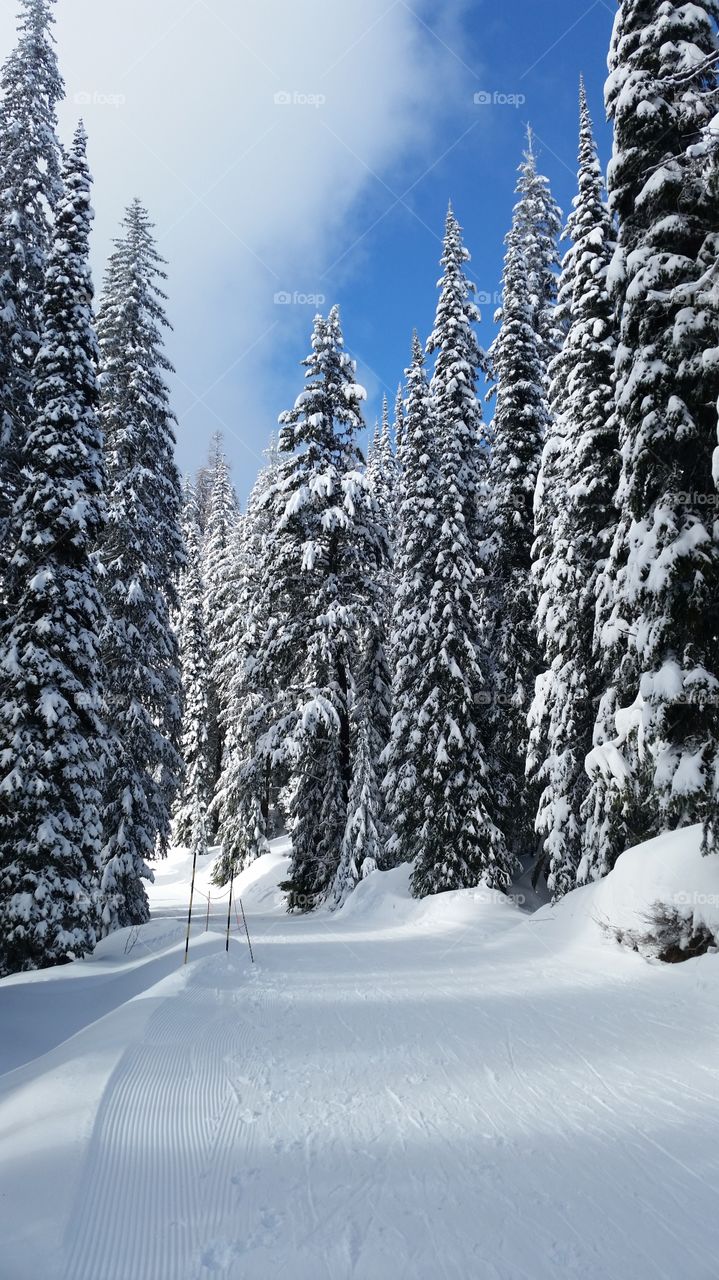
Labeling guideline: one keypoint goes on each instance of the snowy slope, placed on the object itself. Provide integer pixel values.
(447, 1089)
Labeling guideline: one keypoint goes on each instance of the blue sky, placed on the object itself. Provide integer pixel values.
(310, 150)
(523, 48)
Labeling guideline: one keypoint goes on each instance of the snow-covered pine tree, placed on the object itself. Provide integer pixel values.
(142, 556)
(527, 337)
(540, 218)
(373, 453)
(370, 724)
(245, 593)
(325, 552)
(375, 661)
(218, 563)
(417, 526)
(458, 844)
(30, 185)
(242, 796)
(382, 479)
(363, 843)
(381, 468)
(658, 611)
(53, 740)
(459, 360)
(398, 422)
(205, 479)
(389, 470)
(574, 523)
(371, 707)
(195, 794)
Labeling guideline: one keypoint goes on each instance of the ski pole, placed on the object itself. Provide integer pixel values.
(229, 914)
(244, 921)
(192, 894)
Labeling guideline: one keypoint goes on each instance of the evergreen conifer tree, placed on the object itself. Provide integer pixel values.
(242, 798)
(52, 736)
(142, 555)
(30, 186)
(458, 844)
(204, 481)
(195, 794)
(398, 421)
(574, 519)
(539, 220)
(658, 609)
(218, 570)
(519, 354)
(381, 469)
(361, 851)
(418, 518)
(326, 549)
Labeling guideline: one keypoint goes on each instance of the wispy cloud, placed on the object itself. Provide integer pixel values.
(261, 136)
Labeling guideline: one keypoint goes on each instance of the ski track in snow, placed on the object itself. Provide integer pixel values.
(371, 1103)
(177, 1115)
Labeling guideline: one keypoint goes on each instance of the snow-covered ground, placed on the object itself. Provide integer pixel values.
(443, 1090)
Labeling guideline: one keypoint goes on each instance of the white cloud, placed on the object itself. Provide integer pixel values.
(252, 195)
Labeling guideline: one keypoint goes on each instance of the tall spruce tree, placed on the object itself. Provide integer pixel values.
(373, 452)
(398, 421)
(417, 527)
(142, 554)
(195, 794)
(242, 797)
(325, 551)
(52, 736)
(205, 479)
(30, 186)
(381, 468)
(574, 523)
(458, 362)
(382, 479)
(458, 844)
(540, 219)
(659, 597)
(218, 564)
(361, 851)
(527, 337)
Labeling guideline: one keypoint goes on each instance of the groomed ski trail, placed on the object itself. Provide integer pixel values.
(173, 1135)
(435, 1102)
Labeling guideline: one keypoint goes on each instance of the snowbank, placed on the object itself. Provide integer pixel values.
(148, 939)
(665, 879)
(384, 898)
(668, 875)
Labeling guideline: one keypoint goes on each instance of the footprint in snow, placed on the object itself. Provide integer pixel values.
(217, 1256)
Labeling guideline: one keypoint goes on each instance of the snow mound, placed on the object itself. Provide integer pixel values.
(668, 874)
(145, 939)
(384, 898)
(258, 885)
